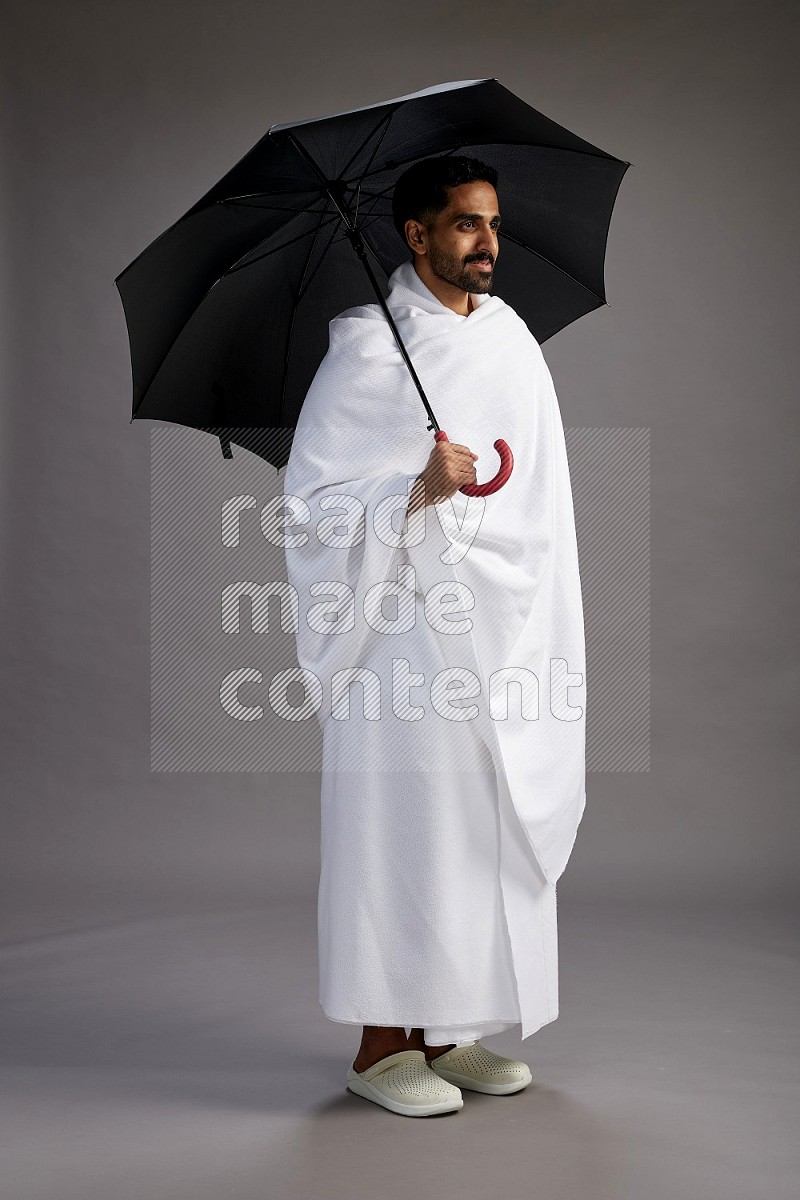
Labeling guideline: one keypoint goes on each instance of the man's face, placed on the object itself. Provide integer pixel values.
(465, 234)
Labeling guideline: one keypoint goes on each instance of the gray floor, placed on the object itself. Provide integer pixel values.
(184, 1054)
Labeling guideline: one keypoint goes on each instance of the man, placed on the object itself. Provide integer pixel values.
(447, 816)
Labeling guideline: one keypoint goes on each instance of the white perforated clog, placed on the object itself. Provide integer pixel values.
(405, 1084)
(481, 1070)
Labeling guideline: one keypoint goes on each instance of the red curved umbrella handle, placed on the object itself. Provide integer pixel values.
(492, 485)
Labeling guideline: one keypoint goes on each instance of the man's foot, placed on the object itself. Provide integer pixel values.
(405, 1084)
(481, 1070)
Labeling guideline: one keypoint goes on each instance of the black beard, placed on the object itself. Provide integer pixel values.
(453, 270)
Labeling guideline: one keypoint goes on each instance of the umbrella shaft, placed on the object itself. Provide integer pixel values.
(357, 241)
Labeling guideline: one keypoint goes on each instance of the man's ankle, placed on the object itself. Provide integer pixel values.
(416, 1039)
(374, 1049)
(435, 1051)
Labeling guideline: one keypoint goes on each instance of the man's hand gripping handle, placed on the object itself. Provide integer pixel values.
(492, 485)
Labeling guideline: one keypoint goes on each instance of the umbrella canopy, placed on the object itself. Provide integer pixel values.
(228, 309)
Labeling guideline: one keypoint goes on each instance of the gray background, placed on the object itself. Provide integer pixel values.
(162, 1031)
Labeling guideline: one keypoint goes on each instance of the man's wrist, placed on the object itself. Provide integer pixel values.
(418, 497)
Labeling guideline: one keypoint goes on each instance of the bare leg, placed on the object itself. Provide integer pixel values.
(378, 1041)
(417, 1042)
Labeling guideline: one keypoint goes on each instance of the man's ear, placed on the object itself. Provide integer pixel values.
(414, 236)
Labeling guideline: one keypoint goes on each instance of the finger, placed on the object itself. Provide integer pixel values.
(464, 451)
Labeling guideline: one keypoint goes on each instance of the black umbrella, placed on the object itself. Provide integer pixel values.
(228, 309)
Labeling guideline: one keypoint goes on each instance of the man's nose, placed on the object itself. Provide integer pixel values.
(487, 242)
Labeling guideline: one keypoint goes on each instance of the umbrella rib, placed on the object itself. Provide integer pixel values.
(339, 236)
(415, 158)
(241, 266)
(365, 223)
(319, 264)
(383, 121)
(369, 209)
(256, 195)
(504, 234)
(267, 207)
(298, 298)
(376, 195)
(370, 160)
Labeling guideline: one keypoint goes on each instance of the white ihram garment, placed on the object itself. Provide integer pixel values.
(448, 812)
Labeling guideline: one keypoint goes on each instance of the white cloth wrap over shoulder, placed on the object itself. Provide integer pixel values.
(508, 561)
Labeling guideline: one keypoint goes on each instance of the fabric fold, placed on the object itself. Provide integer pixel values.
(450, 640)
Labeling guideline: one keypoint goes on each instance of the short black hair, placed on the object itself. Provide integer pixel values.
(421, 191)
